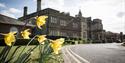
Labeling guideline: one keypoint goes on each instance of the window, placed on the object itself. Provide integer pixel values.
(62, 22)
(54, 32)
(63, 34)
(84, 34)
(51, 32)
(75, 35)
(75, 25)
(53, 20)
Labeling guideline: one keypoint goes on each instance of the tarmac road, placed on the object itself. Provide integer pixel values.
(94, 53)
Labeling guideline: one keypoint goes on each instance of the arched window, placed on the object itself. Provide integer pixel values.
(13, 29)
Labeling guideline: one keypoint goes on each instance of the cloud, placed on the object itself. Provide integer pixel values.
(2, 5)
(56, 4)
(11, 12)
(107, 11)
(121, 14)
(14, 10)
(7, 13)
(35, 0)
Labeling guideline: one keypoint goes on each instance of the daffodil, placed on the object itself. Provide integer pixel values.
(41, 38)
(56, 45)
(25, 34)
(40, 21)
(9, 38)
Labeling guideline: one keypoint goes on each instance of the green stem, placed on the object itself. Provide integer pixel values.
(41, 53)
(28, 54)
(46, 49)
(26, 46)
(12, 53)
(6, 53)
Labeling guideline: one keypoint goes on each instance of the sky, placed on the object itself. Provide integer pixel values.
(111, 12)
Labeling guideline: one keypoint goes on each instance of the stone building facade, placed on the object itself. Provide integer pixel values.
(60, 24)
(95, 30)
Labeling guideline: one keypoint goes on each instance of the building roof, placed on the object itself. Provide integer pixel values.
(44, 12)
(8, 20)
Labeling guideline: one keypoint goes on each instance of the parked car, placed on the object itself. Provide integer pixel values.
(123, 43)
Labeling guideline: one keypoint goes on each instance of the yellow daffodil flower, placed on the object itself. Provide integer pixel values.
(25, 34)
(41, 38)
(40, 21)
(9, 38)
(56, 45)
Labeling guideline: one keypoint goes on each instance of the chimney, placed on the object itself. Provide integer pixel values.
(38, 5)
(25, 11)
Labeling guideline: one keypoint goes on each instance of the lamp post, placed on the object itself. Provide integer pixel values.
(121, 36)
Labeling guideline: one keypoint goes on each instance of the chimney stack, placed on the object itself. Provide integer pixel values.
(38, 5)
(25, 11)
